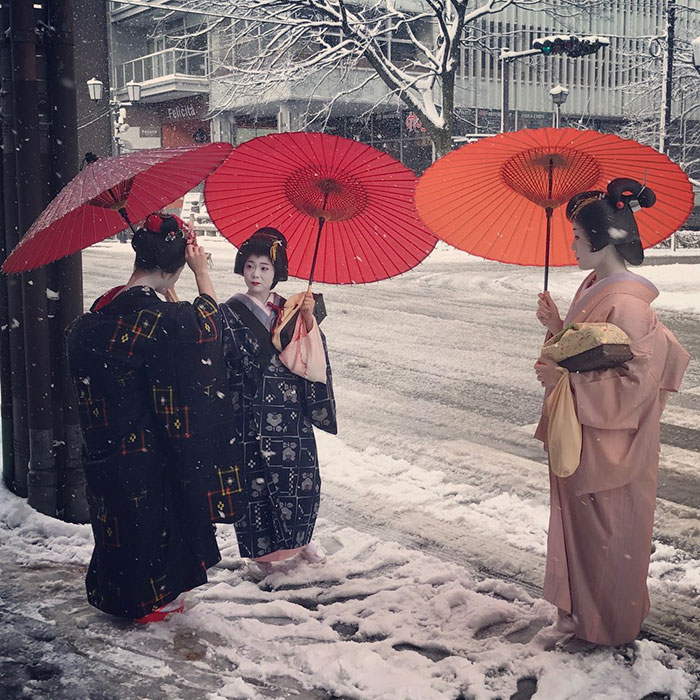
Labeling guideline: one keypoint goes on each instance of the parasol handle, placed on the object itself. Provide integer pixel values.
(321, 221)
(548, 211)
(171, 295)
(125, 216)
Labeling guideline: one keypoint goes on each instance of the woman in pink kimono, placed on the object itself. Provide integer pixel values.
(601, 516)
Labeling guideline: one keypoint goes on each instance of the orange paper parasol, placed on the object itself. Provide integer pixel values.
(501, 198)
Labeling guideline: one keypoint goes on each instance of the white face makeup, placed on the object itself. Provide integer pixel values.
(259, 275)
(581, 246)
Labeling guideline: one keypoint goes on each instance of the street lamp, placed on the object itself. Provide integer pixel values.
(96, 91)
(695, 43)
(133, 90)
(559, 94)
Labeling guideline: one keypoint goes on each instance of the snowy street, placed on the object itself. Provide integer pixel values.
(434, 515)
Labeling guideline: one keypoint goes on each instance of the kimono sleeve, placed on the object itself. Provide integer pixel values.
(615, 398)
(319, 399)
(198, 322)
(187, 373)
(242, 362)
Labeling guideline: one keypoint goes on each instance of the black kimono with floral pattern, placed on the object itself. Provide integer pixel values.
(274, 411)
(150, 385)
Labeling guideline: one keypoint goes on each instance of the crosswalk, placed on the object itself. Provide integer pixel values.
(681, 416)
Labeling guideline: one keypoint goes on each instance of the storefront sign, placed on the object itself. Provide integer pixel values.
(413, 123)
(149, 132)
(178, 112)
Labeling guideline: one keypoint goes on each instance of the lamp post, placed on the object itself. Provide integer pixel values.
(96, 91)
(507, 57)
(559, 94)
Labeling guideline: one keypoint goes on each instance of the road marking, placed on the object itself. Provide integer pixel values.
(681, 417)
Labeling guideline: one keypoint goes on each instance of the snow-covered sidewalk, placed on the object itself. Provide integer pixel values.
(424, 458)
(376, 621)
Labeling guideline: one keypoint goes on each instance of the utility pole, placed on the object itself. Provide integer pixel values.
(68, 271)
(667, 87)
(505, 91)
(667, 84)
(507, 57)
(8, 462)
(17, 479)
(41, 481)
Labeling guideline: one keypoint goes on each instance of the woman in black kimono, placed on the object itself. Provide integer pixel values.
(149, 380)
(274, 409)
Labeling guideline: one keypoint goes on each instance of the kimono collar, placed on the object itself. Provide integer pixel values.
(116, 298)
(591, 292)
(265, 306)
(261, 312)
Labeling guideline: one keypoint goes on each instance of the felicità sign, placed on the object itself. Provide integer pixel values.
(179, 112)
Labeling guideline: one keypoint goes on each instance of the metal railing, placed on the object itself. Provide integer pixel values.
(162, 64)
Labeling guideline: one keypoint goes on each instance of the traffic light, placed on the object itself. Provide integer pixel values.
(572, 46)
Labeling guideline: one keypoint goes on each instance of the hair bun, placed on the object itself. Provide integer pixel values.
(626, 190)
(160, 243)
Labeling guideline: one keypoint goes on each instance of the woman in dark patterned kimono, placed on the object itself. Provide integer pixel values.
(277, 398)
(149, 380)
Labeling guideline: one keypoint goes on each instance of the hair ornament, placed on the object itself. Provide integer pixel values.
(273, 250)
(585, 202)
(153, 223)
(635, 206)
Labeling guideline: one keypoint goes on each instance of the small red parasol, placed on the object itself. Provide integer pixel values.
(501, 198)
(107, 192)
(307, 183)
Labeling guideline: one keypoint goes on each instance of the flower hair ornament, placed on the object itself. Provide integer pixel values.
(173, 226)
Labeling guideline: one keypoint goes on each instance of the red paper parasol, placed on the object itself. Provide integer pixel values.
(360, 197)
(107, 192)
(499, 198)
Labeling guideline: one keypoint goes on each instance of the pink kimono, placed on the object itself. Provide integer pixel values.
(601, 517)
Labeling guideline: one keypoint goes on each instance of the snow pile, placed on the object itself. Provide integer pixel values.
(377, 621)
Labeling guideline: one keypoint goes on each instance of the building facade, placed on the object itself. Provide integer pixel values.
(183, 62)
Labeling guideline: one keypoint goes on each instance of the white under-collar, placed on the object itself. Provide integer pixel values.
(262, 305)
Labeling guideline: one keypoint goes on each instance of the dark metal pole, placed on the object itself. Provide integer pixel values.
(664, 137)
(41, 482)
(69, 271)
(18, 383)
(8, 463)
(669, 73)
(505, 94)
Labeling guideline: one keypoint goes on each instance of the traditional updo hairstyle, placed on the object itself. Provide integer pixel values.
(269, 242)
(160, 243)
(608, 217)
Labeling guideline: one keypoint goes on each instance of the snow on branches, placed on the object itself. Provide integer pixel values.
(405, 50)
